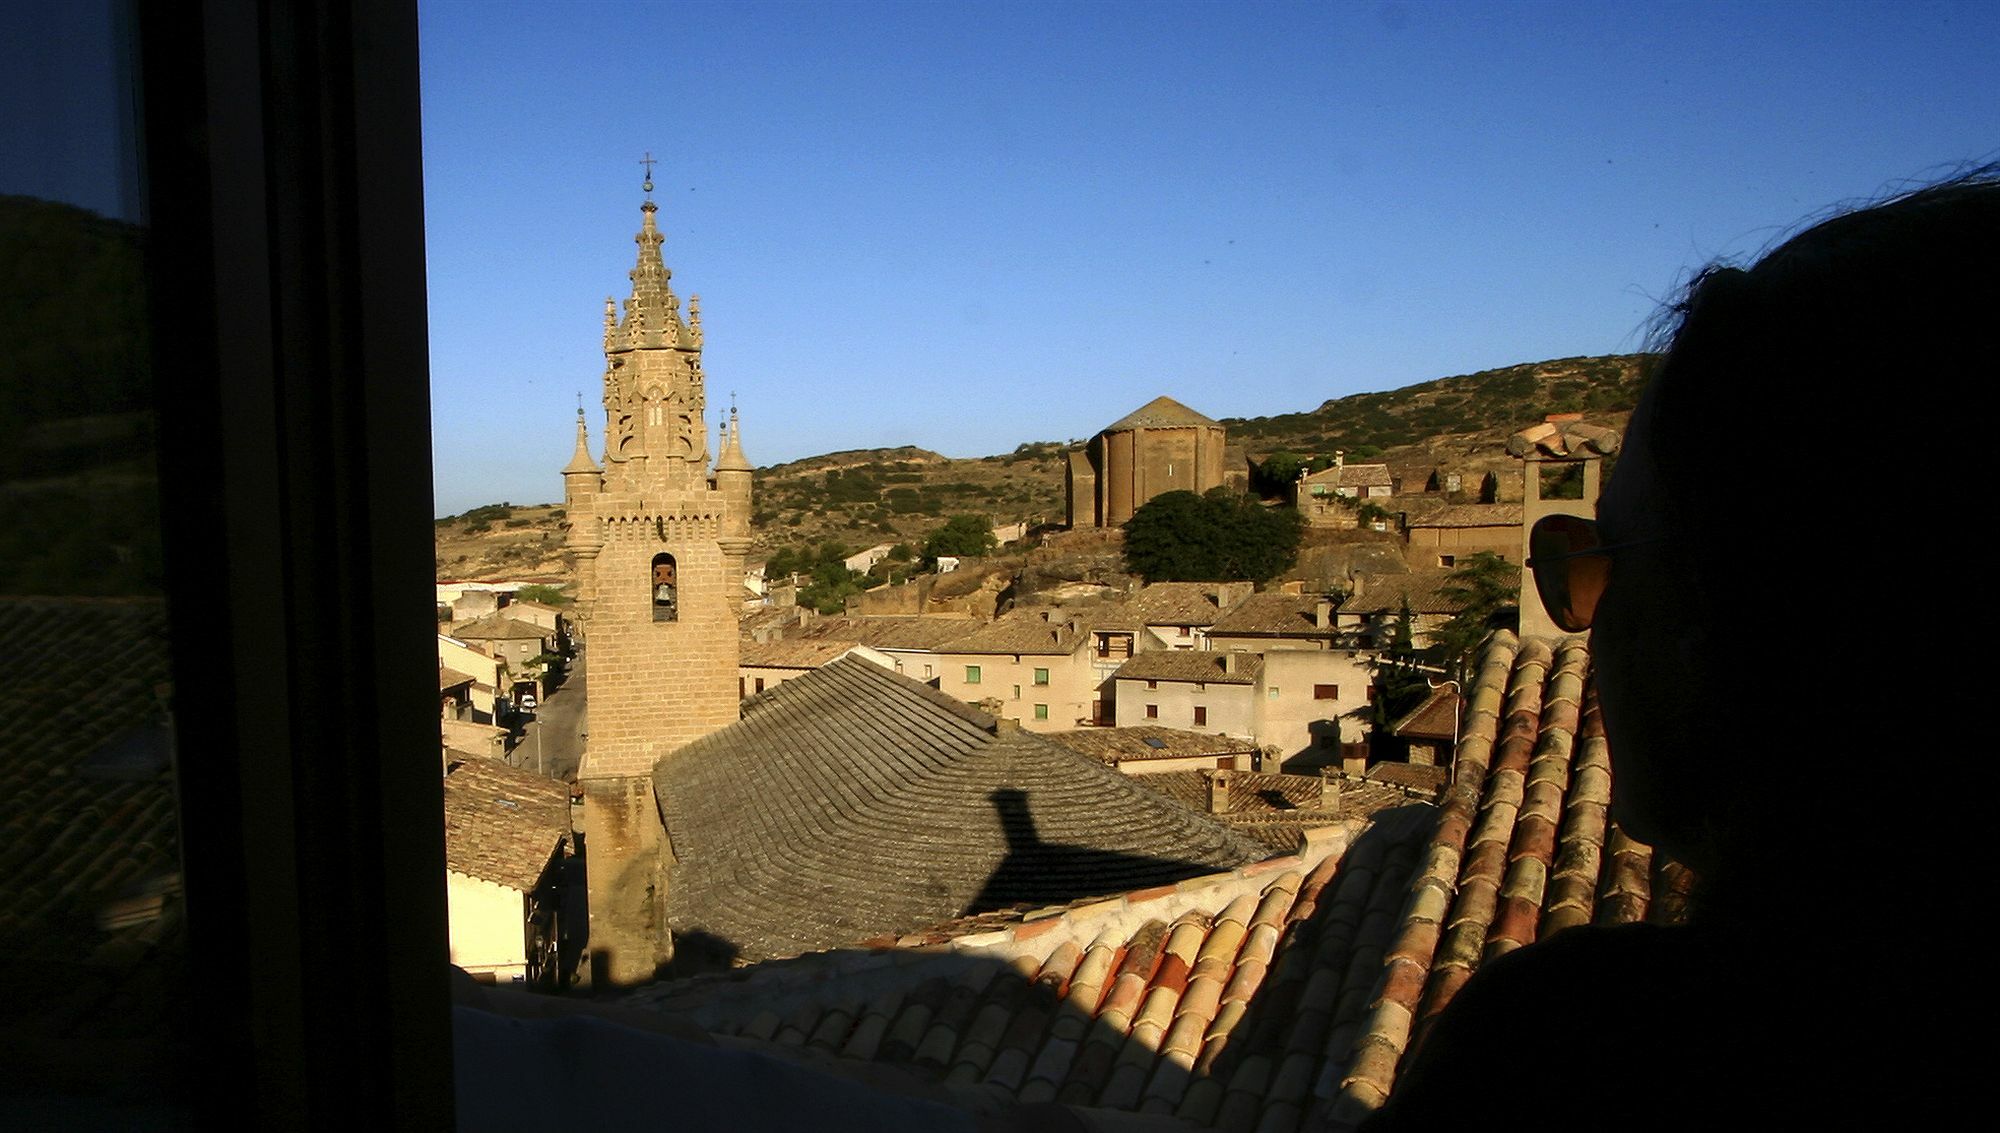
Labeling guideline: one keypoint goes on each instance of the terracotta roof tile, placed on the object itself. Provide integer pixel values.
(498, 627)
(1025, 632)
(1468, 515)
(1283, 996)
(794, 653)
(1176, 603)
(502, 824)
(1386, 593)
(894, 632)
(1276, 615)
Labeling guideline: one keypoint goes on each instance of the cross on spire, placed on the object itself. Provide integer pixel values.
(648, 161)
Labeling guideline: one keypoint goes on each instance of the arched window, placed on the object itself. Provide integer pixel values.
(666, 589)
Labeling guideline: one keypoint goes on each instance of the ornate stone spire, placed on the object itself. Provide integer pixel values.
(732, 458)
(652, 315)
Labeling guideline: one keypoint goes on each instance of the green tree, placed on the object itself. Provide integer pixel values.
(960, 535)
(1488, 588)
(543, 593)
(1182, 537)
(1279, 472)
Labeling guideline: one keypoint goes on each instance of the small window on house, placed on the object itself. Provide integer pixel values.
(1017, 692)
(1041, 676)
(1326, 692)
(1041, 711)
(1150, 685)
(1447, 560)
(1152, 712)
(972, 674)
(1200, 715)
(1186, 630)
(666, 589)
(760, 684)
(1271, 693)
(739, 688)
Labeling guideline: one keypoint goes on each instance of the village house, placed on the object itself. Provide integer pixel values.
(1374, 605)
(505, 837)
(1149, 749)
(1278, 620)
(1202, 691)
(1290, 703)
(1034, 666)
(911, 643)
(1440, 537)
(456, 657)
(769, 664)
(1330, 497)
(516, 644)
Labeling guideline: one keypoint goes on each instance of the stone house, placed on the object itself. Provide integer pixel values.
(1163, 446)
(1375, 603)
(1036, 666)
(1277, 620)
(1329, 497)
(910, 643)
(456, 656)
(550, 618)
(1201, 691)
(515, 643)
(1439, 537)
(505, 838)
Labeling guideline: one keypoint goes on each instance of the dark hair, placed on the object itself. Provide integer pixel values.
(1813, 432)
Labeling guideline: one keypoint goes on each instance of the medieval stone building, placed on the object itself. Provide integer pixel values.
(659, 539)
(1163, 446)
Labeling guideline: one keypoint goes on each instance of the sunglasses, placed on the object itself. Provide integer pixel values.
(1571, 565)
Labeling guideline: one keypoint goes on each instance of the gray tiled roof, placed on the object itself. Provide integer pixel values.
(854, 802)
(794, 653)
(1191, 665)
(502, 824)
(1469, 515)
(1384, 594)
(895, 632)
(1176, 603)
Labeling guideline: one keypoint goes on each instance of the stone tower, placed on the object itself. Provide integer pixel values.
(659, 540)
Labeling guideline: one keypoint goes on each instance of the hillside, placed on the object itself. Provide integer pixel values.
(867, 496)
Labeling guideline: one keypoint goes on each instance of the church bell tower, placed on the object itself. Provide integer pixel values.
(659, 540)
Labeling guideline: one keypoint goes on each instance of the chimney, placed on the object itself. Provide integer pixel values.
(1323, 613)
(1229, 662)
(1218, 790)
(1339, 458)
(1329, 789)
(1356, 583)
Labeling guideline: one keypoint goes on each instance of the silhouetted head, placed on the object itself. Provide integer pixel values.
(1794, 474)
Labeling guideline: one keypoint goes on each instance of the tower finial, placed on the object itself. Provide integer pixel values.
(647, 184)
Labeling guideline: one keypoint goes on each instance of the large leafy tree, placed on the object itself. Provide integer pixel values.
(1489, 590)
(1182, 537)
(960, 535)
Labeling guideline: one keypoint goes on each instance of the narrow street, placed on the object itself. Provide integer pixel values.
(552, 744)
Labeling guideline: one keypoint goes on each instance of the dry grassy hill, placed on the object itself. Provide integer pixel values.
(867, 496)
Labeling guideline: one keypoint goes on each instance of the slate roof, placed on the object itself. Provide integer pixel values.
(1281, 996)
(1147, 742)
(794, 653)
(853, 801)
(1273, 614)
(1205, 666)
(1160, 413)
(1352, 476)
(498, 627)
(502, 824)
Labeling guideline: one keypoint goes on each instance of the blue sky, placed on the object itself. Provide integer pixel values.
(968, 226)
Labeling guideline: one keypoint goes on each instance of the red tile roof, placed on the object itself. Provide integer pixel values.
(502, 824)
(1280, 996)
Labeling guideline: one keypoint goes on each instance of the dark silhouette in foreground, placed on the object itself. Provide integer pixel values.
(1806, 987)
